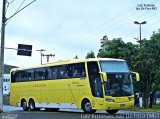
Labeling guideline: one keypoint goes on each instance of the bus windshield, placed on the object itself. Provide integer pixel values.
(114, 66)
(119, 81)
(119, 84)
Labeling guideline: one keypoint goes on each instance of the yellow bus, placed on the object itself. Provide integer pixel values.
(87, 84)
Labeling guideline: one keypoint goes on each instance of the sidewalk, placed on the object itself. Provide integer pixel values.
(7, 108)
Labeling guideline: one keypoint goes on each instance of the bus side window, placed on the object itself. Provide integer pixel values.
(30, 74)
(78, 70)
(53, 72)
(40, 74)
(47, 73)
(13, 76)
(63, 72)
(17, 76)
(22, 76)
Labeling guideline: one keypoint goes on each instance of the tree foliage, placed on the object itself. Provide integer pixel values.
(76, 57)
(144, 59)
(112, 48)
(90, 55)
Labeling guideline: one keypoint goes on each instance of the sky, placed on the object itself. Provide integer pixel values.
(68, 28)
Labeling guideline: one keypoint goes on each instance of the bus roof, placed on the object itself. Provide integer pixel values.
(60, 62)
(83, 60)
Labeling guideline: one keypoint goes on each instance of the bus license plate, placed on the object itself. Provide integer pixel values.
(122, 105)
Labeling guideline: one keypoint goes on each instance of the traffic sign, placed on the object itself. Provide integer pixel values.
(25, 50)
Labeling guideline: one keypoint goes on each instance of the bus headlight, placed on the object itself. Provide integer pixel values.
(131, 98)
(109, 100)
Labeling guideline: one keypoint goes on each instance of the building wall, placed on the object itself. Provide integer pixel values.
(6, 84)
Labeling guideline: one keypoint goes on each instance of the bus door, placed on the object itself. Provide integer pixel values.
(95, 85)
(76, 83)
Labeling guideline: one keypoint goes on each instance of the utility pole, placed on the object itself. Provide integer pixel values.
(48, 55)
(4, 20)
(2, 53)
(140, 23)
(41, 50)
(141, 63)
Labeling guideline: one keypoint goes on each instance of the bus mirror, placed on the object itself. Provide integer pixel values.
(104, 76)
(137, 76)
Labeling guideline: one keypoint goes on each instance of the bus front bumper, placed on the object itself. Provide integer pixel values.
(114, 105)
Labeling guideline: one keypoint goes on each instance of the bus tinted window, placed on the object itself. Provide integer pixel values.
(78, 70)
(50, 73)
(13, 76)
(40, 74)
(53, 72)
(63, 72)
(114, 66)
(22, 76)
(30, 75)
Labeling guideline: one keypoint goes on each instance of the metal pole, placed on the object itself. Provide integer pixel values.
(47, 58)
(140, 35)
(41, 57)
(2, 54)
(141, 63)
(41, 54)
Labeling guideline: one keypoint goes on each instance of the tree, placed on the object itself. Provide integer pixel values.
(151, 65)
(112, 48)
(90, 55)
(76, 57)
(144, 59)
(104, 42)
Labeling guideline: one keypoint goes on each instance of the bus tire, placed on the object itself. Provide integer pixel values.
(112, 111)
(24, 105)
(87, 107)
(32, 105)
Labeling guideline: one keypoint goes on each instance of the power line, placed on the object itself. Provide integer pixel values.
(143, 27)
(122, 25)
(108, 21)
(20, 6)
(88, 35)
(4, 20)
(115, 18)
(19, 10)
(113, 29)
(11, 2)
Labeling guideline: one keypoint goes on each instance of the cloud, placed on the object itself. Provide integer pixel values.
(73, 27)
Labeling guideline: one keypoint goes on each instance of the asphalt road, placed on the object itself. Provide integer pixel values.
(75, 114)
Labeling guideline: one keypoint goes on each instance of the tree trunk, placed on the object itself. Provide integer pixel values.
(144, 100)
(151, 99)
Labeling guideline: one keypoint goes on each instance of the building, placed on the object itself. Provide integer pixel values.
(6, 84)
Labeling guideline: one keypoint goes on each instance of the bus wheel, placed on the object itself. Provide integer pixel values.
(32, 105)
(87, 107)
(24, 105)
(112, 111)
